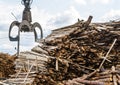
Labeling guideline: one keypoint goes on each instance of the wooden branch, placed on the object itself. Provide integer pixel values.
(115, 80)
(118, 76)
(90, 82)
(105, 80)
(90, 75)
(114, 76)
(27, 74)
(36, 64)
(1, 83)
(88, 21)
(107, 54)
(56, 66)
(102, 77)
(118, 82)
(79, 80)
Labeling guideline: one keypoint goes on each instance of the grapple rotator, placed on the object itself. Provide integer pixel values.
(26, 23)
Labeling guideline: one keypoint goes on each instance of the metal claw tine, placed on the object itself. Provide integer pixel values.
(26, 24)
(14, 23)
(35, 25)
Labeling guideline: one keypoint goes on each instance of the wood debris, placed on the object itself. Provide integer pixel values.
(107, 77)
(73, 55)
(79, 49)
(7, 66)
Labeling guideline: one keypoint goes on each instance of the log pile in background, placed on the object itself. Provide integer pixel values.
(7, 66)
(79, 49)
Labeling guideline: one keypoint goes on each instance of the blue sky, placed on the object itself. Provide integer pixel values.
(52, 14)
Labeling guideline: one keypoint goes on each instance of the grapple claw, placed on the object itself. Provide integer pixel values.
(26, 24)
(35, 25)
(14, 23)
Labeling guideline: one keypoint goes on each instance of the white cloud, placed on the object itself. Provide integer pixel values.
(111, 15)
(27, 48)
(7, 46)
(53, 21)
(65, 18)
(81, 2)
(105, 1)
(6, 10)
(100, 1)
(85, 2)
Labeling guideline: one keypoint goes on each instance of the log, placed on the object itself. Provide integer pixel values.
(38, 49)
(102, 77)
(78, 80)
(114, 76)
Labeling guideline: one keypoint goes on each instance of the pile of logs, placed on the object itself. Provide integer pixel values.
(78, 50)
(107, 77)
(7, 66)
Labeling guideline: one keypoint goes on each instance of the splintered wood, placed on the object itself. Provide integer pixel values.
(78, 50)
(107, 77)
(27, 66)
(7, 65)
